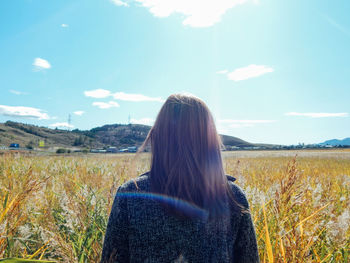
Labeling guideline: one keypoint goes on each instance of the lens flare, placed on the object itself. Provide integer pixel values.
(187, 208)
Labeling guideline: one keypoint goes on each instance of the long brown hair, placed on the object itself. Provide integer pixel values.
(186, 155)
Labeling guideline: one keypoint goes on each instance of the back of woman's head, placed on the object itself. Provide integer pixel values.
(186, 157)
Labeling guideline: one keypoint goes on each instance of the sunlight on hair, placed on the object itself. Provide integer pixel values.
(189, 94)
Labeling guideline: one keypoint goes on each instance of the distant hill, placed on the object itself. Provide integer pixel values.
(30, 135)
(336, 142)
(118, 135)
(234, 141)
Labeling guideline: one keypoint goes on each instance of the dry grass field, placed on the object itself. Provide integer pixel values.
(56, 207)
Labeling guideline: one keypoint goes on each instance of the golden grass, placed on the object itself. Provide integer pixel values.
(56, 208)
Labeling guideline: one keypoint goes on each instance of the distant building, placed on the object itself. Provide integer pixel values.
(112, 150)
(98, 151)
(125, 150)
(132, 149)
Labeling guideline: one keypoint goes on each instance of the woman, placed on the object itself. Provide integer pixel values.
(185, 209)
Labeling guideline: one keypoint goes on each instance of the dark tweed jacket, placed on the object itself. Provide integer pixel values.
(140, 230)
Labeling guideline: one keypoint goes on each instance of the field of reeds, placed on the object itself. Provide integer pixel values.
(57, 207)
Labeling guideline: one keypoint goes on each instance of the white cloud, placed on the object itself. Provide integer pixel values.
(64, 25)
(135, 97)
(40, 63)
(241, 123)
(79, 112)
(16, 92)
(105, 105)
(251, 71)
(197, 13)
(23, 112)
(62, 125)
(318, 114)
(97, 93)
(119, 3)
(144, 121)
(225, 71)
(102, 93)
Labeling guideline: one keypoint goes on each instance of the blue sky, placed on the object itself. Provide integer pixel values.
(270, 71)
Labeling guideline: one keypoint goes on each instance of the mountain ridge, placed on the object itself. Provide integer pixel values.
(335, 142)
(115, 135)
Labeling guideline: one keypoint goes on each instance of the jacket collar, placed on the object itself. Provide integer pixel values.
(229, 177)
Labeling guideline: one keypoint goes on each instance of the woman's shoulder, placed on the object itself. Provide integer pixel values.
(238, 192)
(140, 183)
